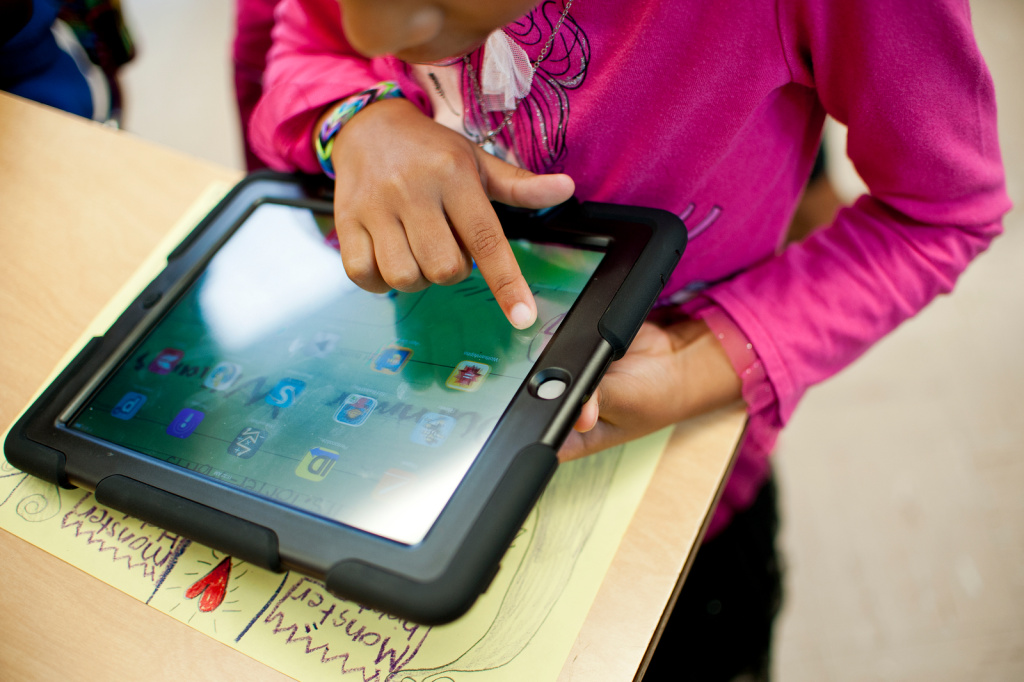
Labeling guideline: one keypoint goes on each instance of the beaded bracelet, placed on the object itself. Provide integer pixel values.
(342, 113)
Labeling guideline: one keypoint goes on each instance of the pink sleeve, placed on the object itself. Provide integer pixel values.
(909, 81)
(310, 66)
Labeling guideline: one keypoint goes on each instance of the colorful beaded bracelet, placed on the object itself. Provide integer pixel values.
(342, 113)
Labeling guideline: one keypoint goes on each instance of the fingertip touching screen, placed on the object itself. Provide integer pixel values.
(273, 373)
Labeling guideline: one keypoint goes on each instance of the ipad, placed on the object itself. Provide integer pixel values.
(254, 399)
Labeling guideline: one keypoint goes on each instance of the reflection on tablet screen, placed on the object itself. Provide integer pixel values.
(274, 373)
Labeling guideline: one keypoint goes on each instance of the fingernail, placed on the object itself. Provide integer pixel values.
(521, 316)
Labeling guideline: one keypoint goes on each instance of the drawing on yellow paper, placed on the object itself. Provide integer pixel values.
(525, 624)
(523, 627)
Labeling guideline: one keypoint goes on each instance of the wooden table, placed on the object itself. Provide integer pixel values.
(80, 207)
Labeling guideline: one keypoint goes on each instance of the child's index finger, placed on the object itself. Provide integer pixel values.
(522, 315)
(500, 270)
(478, 229)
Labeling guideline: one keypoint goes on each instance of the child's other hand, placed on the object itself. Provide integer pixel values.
(412, 206)
(668, 374)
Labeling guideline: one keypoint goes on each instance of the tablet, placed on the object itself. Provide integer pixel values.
(254, 399)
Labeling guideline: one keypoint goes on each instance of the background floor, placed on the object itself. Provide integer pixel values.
(902, 478)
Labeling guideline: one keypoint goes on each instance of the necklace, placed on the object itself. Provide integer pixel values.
(487, 139)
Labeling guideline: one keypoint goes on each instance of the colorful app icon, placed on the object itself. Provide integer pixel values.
(185, 423)
(247, 442)
(432, 429)
(223, 376)
(468, 376)
(286, 392)
(128, 406)
(166, 360)
(355, 409)
(391, 359)
(317, 463)
(393, 481)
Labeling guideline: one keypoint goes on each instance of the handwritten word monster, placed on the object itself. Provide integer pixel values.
(140, 546)
(359, 639)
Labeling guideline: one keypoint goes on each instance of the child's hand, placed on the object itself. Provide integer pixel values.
(412, 206)
(668, 374)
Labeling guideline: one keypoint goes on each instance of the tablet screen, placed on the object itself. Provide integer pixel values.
(275, 374)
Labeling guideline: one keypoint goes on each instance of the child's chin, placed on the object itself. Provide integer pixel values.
(447, 61)
(414, 57)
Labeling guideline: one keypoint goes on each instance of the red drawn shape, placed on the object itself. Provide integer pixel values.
(212, 586)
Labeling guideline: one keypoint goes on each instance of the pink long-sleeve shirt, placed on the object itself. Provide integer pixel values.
(713, 109)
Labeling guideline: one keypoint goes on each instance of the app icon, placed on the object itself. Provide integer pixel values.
(166, 361)
(223, 376)
(322, 344)
(128, 406)
(317, 463)
(355, 409)
(185, 423)
(432, 429)
(391, 359)
(247, 442)
(393, 481)
(468, 376)
(286, 392)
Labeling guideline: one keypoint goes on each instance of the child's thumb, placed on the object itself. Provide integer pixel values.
(516, 186)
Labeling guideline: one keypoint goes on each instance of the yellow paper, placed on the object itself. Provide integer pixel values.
(522, 628)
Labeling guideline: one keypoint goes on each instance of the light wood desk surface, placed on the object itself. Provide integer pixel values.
(80, 207)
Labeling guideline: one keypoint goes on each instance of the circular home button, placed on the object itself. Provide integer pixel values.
(551, 388)
(550, 383)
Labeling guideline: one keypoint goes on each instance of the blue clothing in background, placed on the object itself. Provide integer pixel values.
(33, 66)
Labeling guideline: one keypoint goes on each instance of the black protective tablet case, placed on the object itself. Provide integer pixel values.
(435, 580)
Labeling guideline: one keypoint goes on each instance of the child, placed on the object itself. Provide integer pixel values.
(254, 20)
(65, 54)
(711, 109)
(35, 66)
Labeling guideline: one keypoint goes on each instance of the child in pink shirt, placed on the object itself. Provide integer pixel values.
(711, 109)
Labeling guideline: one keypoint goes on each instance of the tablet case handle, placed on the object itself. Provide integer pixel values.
(642, 286)
(239, 538)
